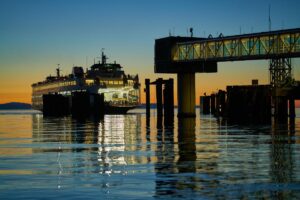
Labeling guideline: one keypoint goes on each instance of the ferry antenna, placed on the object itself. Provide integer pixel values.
(58, 70)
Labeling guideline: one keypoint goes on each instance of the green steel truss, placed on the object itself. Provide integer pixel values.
(265, 45)
(281, 72)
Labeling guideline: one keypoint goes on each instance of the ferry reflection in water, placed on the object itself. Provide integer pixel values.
(111, 140)
(90, 146)
(130, 157)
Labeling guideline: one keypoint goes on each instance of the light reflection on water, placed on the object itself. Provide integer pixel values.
(129, 157)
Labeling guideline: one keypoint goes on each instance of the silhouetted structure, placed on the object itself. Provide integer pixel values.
(80, 104)
(283, 99)
(159, 101)
(164, 100)
(249, 104)
(186, 56)
(205, 104)
(168, 94)
(253, 103)
(55, 105)
(147, 91)
(220, 103)
(164, 97)
(84, 104)
(213, 103)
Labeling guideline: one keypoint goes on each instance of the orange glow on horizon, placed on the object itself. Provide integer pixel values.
(26, 97)
(297, 103)
(19, 90)
(15, 97)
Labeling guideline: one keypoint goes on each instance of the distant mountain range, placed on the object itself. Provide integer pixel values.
(15, 106)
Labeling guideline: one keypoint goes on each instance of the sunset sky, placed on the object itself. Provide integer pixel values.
(36, 35)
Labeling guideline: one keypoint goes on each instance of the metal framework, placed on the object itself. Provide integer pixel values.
(281, 72)
(265, 45)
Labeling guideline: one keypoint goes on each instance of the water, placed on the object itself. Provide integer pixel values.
(119, 157)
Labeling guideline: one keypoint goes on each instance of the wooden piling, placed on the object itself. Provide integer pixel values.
(213, 104)
(147, 90)
(159, 96)
(220, 103)
(168, 98)
(205, 104)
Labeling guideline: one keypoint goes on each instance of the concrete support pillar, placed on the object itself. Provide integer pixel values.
(147, 90)
(159, 107)
(186, 94)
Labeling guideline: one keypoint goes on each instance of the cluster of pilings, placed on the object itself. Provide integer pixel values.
(250, 104)
(284, 103)
(164, 98)
(214, 104)
(79, 104)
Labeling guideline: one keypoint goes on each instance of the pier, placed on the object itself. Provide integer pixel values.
(186, 56)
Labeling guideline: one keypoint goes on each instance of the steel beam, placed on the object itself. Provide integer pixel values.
(265, 45)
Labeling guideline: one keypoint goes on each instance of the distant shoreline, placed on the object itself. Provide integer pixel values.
(27, 106)
(15, 106)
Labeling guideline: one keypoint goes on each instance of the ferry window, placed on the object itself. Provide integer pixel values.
(115, 95)
(89, 82)
(111, 82)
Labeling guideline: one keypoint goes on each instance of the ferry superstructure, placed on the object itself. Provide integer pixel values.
(120, 90)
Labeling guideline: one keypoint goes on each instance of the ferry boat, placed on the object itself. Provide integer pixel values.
(121, 91)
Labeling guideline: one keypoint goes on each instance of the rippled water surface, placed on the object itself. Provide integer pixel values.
(128, 157)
